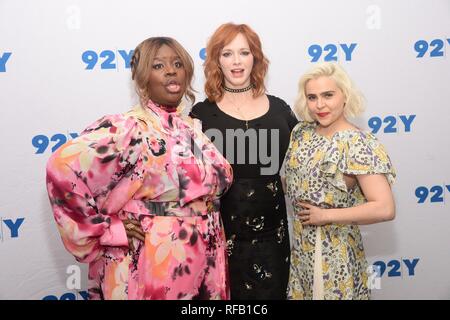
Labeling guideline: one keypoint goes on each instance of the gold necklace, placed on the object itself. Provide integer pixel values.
(244, 118)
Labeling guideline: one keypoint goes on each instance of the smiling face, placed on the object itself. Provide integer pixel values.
(167, 79)
(236, 62)
(325, 101)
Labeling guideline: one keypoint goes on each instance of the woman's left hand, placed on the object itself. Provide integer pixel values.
(134, 230)
(312, 215)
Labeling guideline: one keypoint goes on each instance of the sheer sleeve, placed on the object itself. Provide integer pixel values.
(85, 172)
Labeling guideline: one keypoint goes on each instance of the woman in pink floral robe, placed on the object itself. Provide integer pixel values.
(150, 165)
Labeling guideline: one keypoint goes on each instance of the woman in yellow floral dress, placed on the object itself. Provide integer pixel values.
(338, 177)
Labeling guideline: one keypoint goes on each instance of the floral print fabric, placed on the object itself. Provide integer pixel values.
(153, 165)
(315, 169)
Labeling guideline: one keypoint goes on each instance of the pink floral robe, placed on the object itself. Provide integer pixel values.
(152, 165)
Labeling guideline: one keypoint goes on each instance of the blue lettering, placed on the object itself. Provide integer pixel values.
(380, 267)
(437, 51)
(3, 59)
(391, 123)
(348, 50)
(438, 194)
(202, 54)
(84, 295)
(68, 296)
(126, 57)
(407, 121)
(395, 264)
(411, 265)
(395, 271)
(331, 56)
(315, 51)
(109, 61)
(14, 226)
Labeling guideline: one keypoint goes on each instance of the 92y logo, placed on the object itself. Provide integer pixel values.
(9, 228)
(3, 60)
(434, 47)
(391, 124)
(107, 59)
(330, 51)
(41, 142)
(396, 268)
(433, 193)
(78, 295)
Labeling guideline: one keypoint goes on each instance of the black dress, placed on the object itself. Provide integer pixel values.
(254, 209)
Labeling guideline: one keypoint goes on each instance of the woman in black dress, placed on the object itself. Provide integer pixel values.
(252, 130)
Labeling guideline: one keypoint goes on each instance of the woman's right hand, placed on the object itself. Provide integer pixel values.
(134, 230)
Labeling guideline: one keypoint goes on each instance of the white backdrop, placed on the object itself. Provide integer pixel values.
(399, 59)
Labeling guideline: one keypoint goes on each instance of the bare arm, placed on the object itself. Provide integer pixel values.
(379, 207)
(283, 183)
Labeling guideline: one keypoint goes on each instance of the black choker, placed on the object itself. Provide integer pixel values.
(250, 86)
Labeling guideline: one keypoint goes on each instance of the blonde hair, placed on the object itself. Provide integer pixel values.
(354, 101)
(141, 63)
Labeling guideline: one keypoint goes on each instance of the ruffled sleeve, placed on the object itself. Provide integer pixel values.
(355, 153)
(89, 179)
(300, 131)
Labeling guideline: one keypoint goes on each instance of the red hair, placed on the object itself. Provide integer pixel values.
(213, 74)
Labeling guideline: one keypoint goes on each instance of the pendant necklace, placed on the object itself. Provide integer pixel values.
(232, 90)
(244, 118)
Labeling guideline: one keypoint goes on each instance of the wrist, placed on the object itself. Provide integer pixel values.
(328, 215)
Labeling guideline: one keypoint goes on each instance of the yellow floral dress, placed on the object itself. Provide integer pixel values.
(315, 169)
